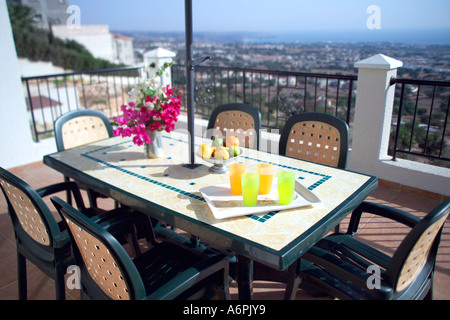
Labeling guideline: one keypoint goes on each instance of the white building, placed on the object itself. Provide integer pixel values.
(47, 12)
(123, 49)
(99, 41)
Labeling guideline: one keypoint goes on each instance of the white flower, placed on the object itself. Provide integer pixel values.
(155, 82)
(149, 105)
(135, 95)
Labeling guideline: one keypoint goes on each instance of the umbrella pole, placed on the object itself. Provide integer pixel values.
(190, 81)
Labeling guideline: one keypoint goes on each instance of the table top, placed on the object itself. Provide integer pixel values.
(168, 190)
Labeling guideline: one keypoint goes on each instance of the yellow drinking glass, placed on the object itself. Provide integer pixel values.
(286, 186)
(250, 187)
(236, 170)
(265, 171)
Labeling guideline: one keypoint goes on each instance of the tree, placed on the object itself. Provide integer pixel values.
(21, 17)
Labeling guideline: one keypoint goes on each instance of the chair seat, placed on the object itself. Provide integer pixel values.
(338, 258)
(345, 246)
(162, 263)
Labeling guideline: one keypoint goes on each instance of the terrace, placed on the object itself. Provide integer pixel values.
(368, 103)
(385, 234)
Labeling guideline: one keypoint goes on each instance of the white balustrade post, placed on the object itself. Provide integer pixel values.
(373, 112)
(158, 57)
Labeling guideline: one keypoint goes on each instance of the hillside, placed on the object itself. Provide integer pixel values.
(40, 45)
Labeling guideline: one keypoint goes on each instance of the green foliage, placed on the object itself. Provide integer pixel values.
(40, 45)
(430, 144)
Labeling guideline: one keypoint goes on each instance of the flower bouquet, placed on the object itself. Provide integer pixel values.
(151, 108)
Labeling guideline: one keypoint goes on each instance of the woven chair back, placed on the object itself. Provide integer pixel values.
(419, 254)
(100, 263)
(82, 130)
(27, 214)
(236, 123)
(314, 141)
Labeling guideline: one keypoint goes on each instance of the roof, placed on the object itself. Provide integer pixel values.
(121, 36)
(41, 102)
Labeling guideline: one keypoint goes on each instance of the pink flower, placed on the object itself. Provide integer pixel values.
(137, 141)
(138, 122)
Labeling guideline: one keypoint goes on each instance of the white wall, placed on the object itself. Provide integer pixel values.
(96, 39)
(29, 68)
(16, 145)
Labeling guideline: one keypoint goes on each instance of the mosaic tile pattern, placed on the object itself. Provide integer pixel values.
(168, 183)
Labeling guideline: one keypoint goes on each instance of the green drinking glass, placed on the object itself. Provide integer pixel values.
(250, 188)
(286, 186)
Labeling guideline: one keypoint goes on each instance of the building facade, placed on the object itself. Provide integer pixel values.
(47, 13)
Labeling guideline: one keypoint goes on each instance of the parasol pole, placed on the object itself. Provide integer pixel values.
(190, 64)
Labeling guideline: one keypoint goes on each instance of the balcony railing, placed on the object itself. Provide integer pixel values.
(421, 107)
(277, 94)
(420, 131)
(50, 96)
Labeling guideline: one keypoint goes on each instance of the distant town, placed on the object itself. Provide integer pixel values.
(427, 62)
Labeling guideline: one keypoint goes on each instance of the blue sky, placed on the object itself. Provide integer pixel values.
(265, 15)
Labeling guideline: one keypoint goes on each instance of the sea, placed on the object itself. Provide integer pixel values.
(424, 37)
(420, 37)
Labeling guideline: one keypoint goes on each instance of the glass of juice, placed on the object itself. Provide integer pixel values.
(250, 187)
(265, 171)
(236, 170)
(286, 186)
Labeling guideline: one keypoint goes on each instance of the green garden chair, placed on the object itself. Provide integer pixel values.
(44, 241)
(346, 268)
(165, 271)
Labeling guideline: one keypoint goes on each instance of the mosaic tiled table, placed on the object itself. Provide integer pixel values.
(167, 190)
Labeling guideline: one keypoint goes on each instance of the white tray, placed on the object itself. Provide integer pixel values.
(224, 204)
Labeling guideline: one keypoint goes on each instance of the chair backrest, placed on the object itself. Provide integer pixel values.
(316, 137)
(416, 254)
(106, 269)
(80, 127)
(236, 119)
(34, 224)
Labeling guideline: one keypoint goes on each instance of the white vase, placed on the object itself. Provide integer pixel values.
(155, 149)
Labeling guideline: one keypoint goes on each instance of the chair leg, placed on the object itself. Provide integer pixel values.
(68, 194)
(133, 241)
(292, 283)
(60, 285)
(337, 229)
(226, 283)
(92, 196)
(22, 276)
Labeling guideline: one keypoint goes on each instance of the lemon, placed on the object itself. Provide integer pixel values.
(221, 153)
(206, 151)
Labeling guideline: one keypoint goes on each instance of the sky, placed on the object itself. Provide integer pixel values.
(268, 15)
